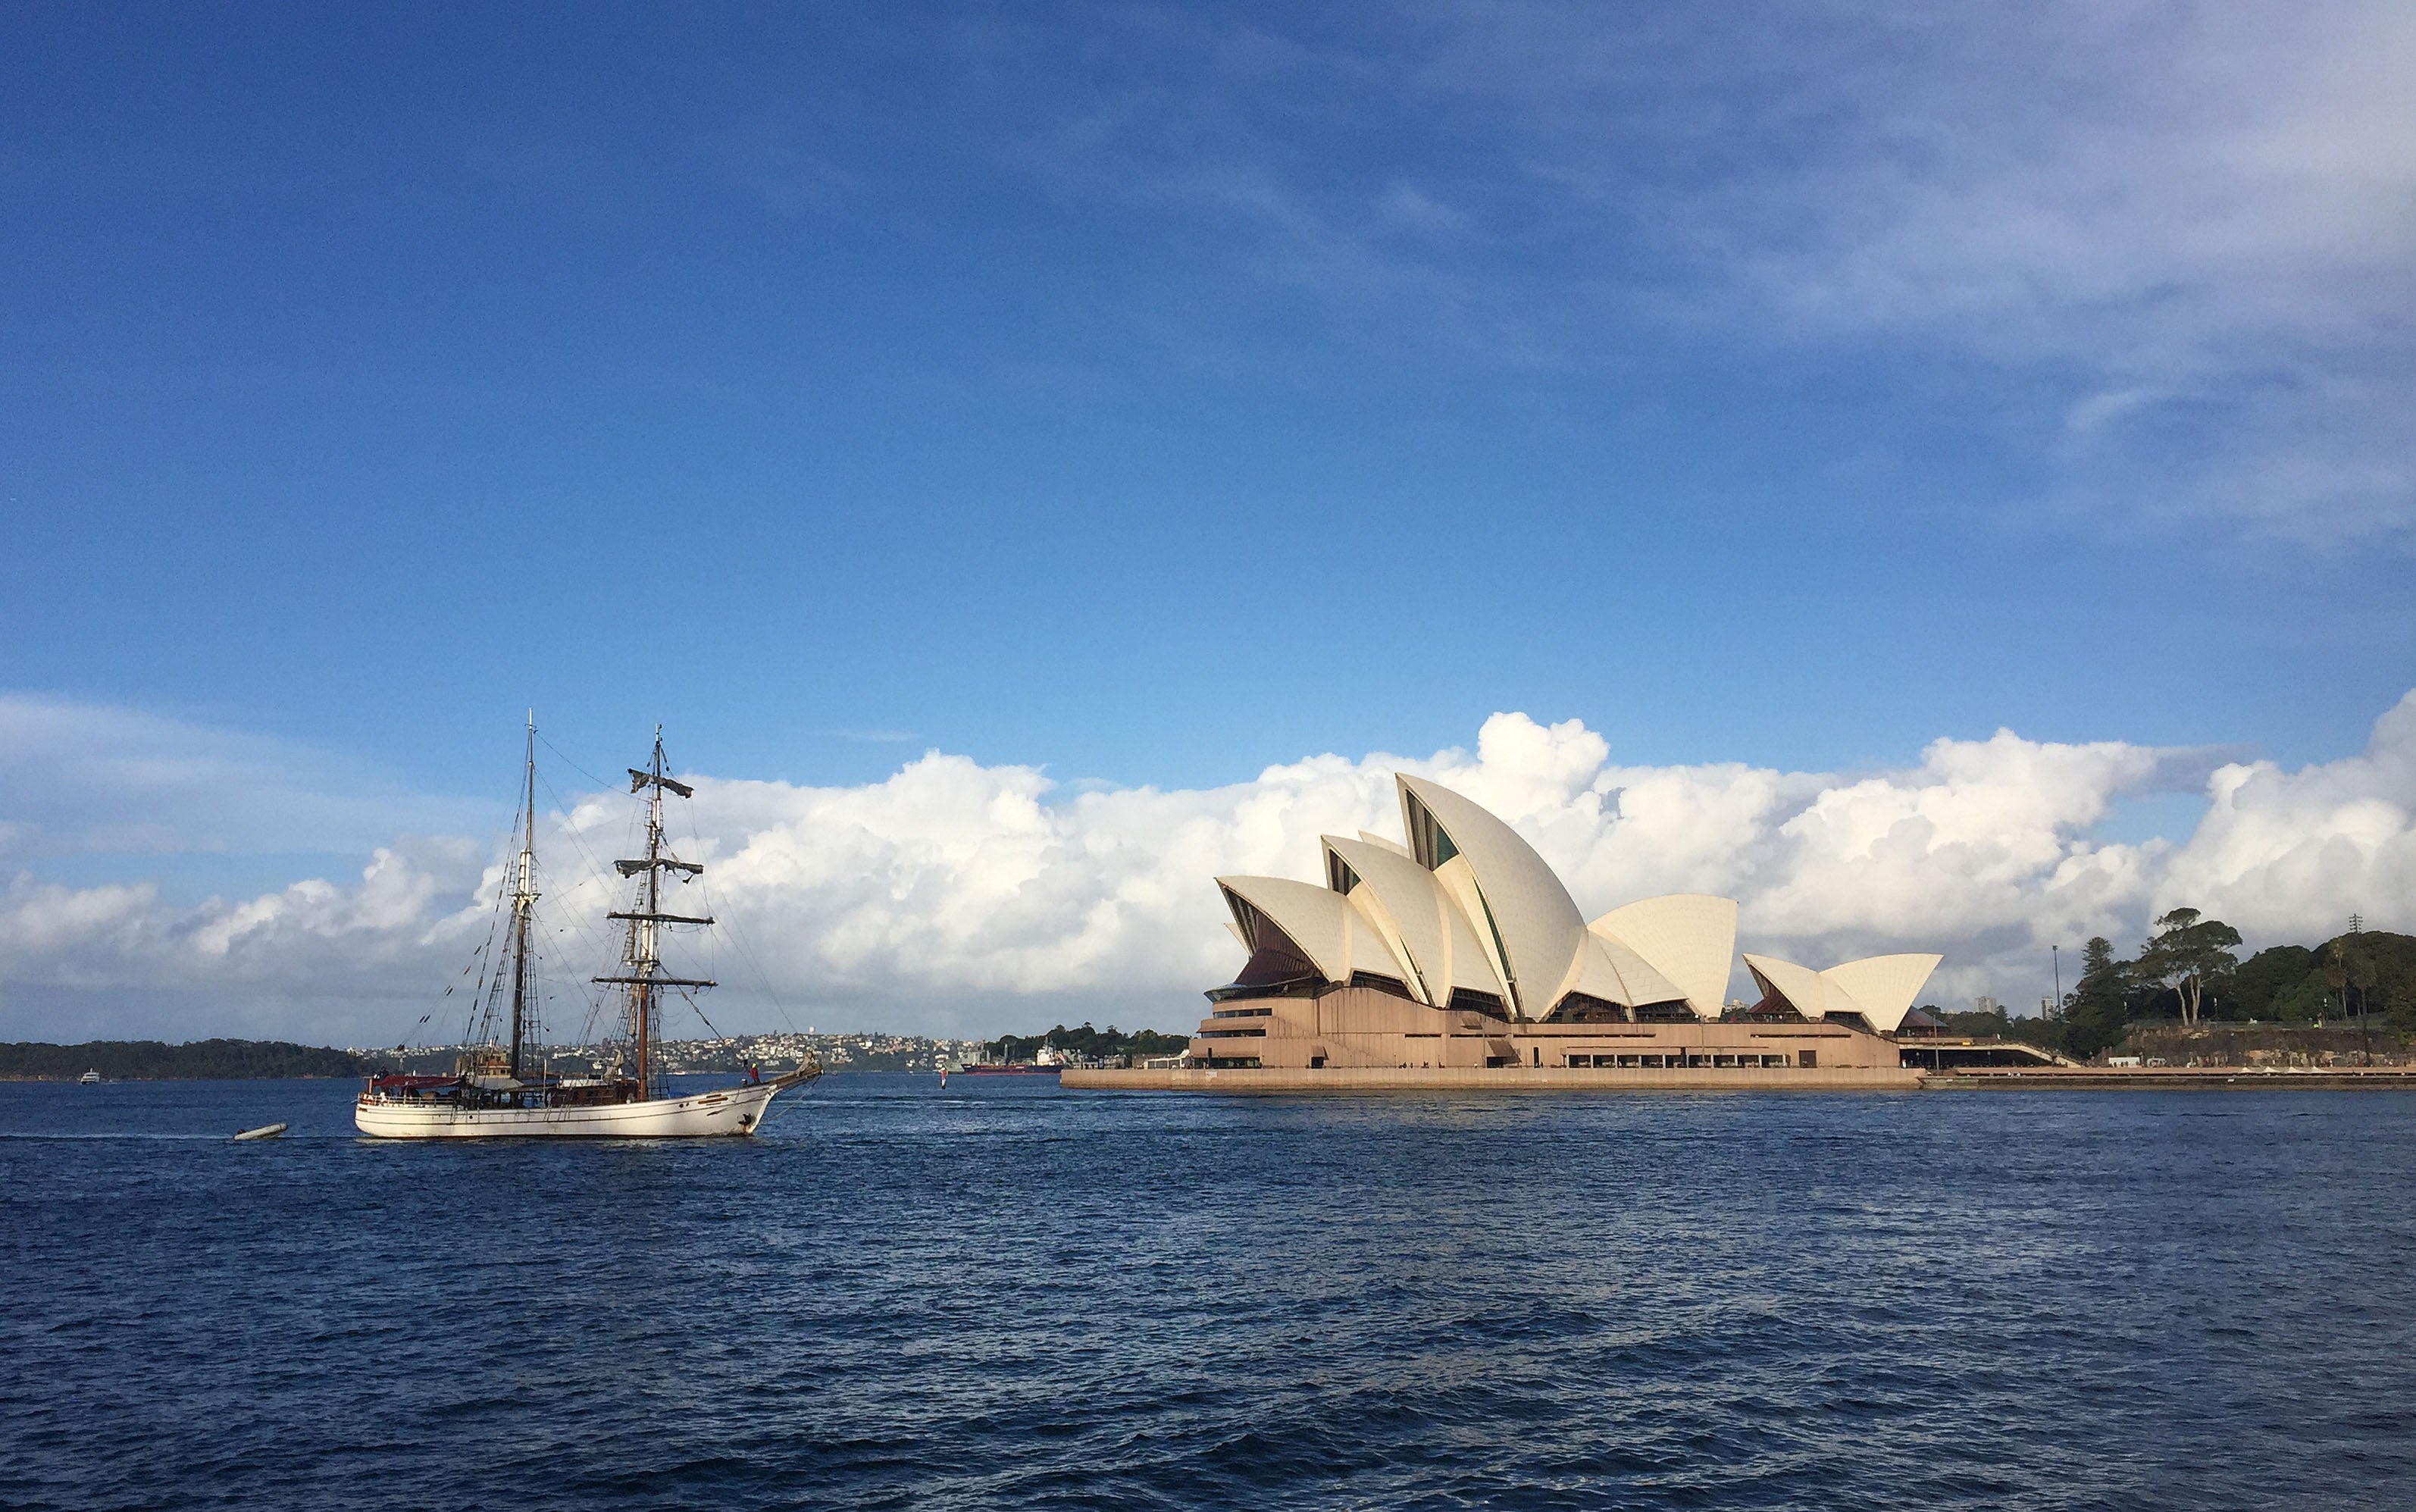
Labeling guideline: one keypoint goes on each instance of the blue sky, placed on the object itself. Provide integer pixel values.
(1154, 395)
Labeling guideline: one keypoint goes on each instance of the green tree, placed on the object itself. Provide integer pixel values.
(148, 1059)
(1104, 1044)
(2305, 1001)
(2094, 1011)
(2394, 960)
(2188, 950)
(2264, 977)
(2352, 965)
(1988, 1025)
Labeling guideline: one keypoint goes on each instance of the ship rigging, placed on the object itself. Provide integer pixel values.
(506, 1085)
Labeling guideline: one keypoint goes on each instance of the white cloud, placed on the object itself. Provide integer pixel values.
(953, 894)
(371, 939)
(2294, 852)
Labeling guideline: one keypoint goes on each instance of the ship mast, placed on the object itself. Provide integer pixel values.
(523, 906)
(644, 978)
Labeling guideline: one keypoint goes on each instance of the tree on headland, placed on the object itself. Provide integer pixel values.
(2097, 1010)
(2350, 973)
(148, 1059)
(2188, 950)
(1087, 1043)
(2265, 980)
(2188, 970)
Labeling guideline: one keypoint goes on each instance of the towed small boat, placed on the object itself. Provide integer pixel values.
(266, 1131)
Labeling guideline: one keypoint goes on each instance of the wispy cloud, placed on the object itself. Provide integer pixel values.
(90, 779)
(2183, 234)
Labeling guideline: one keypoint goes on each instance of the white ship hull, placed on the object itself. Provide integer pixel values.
(726, 1112)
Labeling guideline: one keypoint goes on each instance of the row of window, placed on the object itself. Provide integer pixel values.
(1307, 986)
(1684, 1058)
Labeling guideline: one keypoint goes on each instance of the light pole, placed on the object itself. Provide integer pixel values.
(2055, 953)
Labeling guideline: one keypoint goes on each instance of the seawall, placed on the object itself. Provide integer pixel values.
(2179, 1078)
(1755, 1078)
(1503, 1079)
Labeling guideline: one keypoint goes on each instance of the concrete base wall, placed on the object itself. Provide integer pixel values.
(1783, 1079)
(1506, 1079)
(1358, 1028)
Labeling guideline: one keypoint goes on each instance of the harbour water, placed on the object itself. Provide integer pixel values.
(1007, 1295)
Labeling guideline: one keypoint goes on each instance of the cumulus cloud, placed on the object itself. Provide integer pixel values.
(2294, 852)
(954, 895)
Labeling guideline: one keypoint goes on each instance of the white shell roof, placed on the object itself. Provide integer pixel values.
(1884, 986)
(1334, 937)
(1879, 988)
(1608, 970)
(1442, 946)
(1799, 985)
(1689, 938)
(1639, 981)
(1538, 926)
(1408, 900)
(1472, 964)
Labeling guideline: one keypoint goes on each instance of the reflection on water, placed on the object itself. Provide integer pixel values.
(1003, 1293)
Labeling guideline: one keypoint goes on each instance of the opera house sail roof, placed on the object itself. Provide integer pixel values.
(1467, 917)
(1880, 988)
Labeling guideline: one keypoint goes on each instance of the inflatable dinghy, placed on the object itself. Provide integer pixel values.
(266, 1131)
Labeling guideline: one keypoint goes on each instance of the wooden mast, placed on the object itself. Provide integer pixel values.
(523, 905)
(644, 959)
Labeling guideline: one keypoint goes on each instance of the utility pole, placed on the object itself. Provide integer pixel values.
(2348, 974)
(2055, 953)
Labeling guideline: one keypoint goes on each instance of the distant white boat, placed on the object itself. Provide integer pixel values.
(266, 1131)
(90, 1079)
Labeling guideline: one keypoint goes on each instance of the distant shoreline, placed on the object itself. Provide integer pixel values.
(112, 1080)
(108, 1078)
(201, 1060)
(276, 1060)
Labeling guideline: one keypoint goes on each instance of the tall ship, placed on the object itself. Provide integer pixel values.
(503, 1084)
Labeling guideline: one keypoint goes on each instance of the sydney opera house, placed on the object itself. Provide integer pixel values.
(1461, 949)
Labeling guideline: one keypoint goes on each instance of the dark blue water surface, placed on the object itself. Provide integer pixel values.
(1007, 1295)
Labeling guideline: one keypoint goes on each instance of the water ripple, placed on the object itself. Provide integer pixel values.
(1014, 1296)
